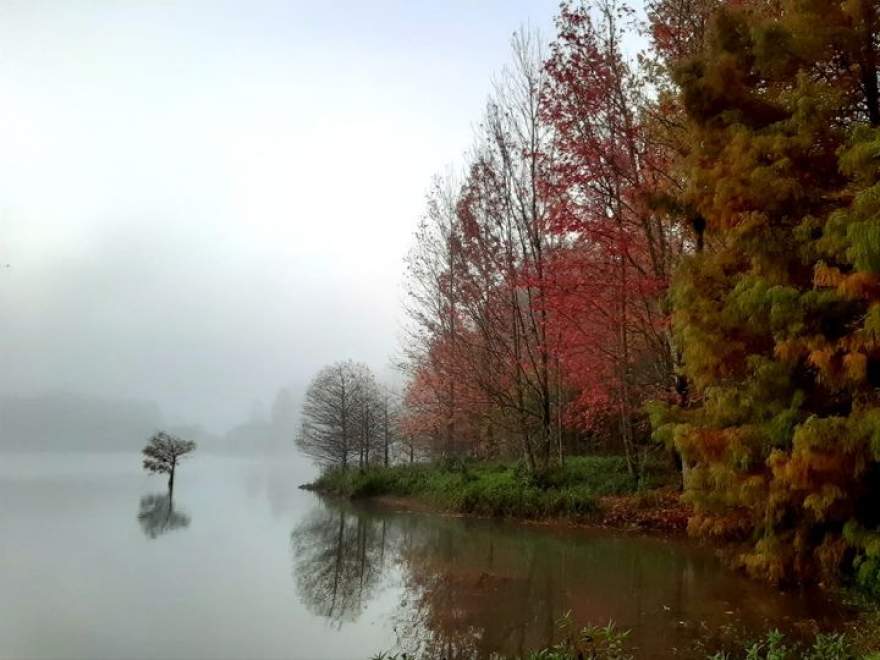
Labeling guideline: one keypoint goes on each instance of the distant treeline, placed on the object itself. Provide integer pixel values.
(63, 421)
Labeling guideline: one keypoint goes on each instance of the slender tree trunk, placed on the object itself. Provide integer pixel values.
(450, 418)
(451, 305)
(365, 458)
(559, 413)
(623, 366)
(386, 430)
(344, 421)
(518, 385)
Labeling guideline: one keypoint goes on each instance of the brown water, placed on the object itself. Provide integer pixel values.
(96, 563)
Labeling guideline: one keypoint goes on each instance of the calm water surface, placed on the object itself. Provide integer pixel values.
(95, 562)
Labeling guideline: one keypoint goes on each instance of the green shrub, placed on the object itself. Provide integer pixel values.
(497, 489)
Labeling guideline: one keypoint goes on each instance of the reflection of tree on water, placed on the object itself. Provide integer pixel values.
(472, 588)
(339, 556)
(158, 516)
(471, 593)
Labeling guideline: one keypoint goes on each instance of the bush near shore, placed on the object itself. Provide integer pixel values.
(501, 489)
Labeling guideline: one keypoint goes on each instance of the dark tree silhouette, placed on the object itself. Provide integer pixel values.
(158, 516)
(162, 453)
(340, 416)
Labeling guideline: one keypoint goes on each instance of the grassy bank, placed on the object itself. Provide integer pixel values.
(584, 488)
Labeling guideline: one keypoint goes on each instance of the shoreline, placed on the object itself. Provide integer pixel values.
(656, 512)
(666, 515)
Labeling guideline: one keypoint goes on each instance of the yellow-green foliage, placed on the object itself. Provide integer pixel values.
(778, 318)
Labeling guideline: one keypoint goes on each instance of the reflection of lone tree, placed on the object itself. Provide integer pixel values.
(157, 515)
(162, 453)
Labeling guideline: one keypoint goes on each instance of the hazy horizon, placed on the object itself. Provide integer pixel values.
(203, 203)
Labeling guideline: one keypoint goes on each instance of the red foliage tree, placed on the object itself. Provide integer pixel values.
(607, 169)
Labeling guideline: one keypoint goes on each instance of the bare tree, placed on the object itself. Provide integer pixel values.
(339, 416)
(390, 415)
(508, 249)
(368, 415)
(162, 453)
(431, 305)
(478, 278)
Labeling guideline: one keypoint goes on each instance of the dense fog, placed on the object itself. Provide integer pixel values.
(201, 204)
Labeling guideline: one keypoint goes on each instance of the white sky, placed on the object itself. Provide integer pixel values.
(201, 202)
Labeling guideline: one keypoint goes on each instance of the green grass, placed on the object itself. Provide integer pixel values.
(497, 489)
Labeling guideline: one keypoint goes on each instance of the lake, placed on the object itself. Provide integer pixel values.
(95, 562)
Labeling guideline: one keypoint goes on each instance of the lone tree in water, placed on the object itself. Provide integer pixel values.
(162, 453)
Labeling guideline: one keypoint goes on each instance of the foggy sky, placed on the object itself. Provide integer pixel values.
(201, 202)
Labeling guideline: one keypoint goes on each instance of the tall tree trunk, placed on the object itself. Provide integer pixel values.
(559, 413)
(171, 479)
(518, 385)
(344, 421)
(386, 430)
(623, 371)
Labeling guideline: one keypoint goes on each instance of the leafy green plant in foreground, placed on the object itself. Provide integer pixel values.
(599, 642)
(830, 646)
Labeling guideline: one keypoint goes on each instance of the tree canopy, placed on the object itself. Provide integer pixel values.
(347, 417)
(162, 453)
(676, 251)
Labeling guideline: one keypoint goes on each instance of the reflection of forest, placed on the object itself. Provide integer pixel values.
(339, 556)
(158, 516)
(473, 588)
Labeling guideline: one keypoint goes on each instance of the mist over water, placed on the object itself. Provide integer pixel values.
(172, 226)
(205, 205)
(66, 422)
(97, 562)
